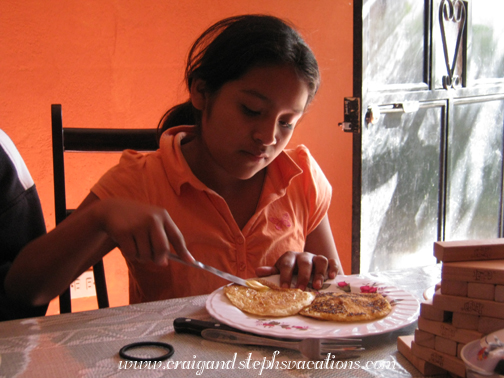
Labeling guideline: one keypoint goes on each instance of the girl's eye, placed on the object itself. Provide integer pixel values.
(250, 112)
(286, 125)
(255, 113)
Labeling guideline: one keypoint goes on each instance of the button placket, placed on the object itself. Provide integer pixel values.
(241, 263)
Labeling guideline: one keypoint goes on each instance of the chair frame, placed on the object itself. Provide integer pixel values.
(89, 140)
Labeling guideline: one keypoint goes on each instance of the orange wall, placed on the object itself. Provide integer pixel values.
(117, 63)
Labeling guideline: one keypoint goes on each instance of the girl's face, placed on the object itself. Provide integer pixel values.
(249, 121)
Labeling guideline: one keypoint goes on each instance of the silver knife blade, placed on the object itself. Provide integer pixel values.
(211, 269)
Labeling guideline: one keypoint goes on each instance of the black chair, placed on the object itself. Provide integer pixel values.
(90, 140)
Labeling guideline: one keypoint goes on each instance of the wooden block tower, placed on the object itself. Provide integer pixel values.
(468, 303)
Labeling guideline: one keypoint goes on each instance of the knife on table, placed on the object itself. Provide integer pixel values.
(211, 269)
(195, 326)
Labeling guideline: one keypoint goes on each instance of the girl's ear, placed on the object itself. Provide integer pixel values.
(198, 94)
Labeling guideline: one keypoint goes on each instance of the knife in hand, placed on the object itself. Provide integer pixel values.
(217, 272)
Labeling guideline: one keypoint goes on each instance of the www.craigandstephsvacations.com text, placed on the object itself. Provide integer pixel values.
(199, 367)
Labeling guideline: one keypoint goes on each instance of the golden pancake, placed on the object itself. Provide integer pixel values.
(275, 302)
(348, 307)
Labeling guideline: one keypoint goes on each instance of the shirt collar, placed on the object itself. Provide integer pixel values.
(177, 170)
(279, 175)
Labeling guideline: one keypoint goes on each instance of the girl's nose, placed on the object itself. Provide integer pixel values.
(265, 134)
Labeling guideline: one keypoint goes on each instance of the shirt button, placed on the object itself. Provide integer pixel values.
(240, 239)
(242, 266)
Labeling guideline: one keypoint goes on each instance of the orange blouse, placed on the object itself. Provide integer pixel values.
(295, 198)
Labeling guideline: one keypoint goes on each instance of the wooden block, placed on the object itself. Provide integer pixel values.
(445, 345)
(426, 368)
(481, 291)
(448, 331)
(459, 349)
(488, 325)
(428, 311)
(444, 361)
(474, 271)
(449, 287)
(451, 375)
(425, 339)
(471, 306)
(465, 321)
(469, 250)
(499, 293)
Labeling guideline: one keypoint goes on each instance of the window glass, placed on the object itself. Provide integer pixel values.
(400, 183)
(486, 53)
(396, 46)
(474, 171)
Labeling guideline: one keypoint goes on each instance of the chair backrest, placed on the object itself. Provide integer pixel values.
(89, 140)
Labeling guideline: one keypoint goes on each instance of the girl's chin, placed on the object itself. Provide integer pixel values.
(248, 174)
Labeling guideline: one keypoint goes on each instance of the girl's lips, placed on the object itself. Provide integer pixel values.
(256, 155)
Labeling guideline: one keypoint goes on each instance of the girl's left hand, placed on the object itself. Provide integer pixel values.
(305, 264)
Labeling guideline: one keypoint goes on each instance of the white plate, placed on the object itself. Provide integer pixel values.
(405, 309)
(428, 294)
(469, 355)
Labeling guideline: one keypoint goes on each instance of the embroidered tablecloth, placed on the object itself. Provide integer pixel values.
(86, 344)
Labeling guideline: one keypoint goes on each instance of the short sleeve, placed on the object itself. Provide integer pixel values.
(317, 189)
(125, 180)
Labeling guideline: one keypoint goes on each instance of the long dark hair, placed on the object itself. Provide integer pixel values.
(231, 47)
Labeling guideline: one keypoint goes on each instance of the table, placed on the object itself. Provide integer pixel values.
(86, 344)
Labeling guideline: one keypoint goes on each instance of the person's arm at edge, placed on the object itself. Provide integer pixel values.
(48, 264)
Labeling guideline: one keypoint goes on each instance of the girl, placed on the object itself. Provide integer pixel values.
(222, 191)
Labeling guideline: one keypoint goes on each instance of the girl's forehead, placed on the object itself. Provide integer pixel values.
(267, 72)
(273, 84)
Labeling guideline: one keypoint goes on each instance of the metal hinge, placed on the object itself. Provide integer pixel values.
(352, 115)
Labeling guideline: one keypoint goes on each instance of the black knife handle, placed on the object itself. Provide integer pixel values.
(195, 326)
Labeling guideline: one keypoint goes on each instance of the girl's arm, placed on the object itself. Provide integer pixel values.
(49, 264)
(321, 241)
(320, 259)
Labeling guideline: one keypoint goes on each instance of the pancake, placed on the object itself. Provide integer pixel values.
(276, 302)
(347, 307)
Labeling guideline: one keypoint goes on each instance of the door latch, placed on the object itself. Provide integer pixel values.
(352, 115)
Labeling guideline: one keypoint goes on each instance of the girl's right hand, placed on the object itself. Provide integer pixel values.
(142, 232)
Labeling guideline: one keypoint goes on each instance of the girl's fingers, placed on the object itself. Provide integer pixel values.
(127, 245)
(333, 268)
(142, 246)
(304, 268)
(160, 246)
(286, 265)
(306, 265)
(176, 239)
(263, 271)
(320, 271)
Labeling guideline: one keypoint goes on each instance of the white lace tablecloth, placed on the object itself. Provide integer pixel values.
(86, 344)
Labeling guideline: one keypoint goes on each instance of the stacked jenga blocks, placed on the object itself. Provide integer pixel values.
(467, 304)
